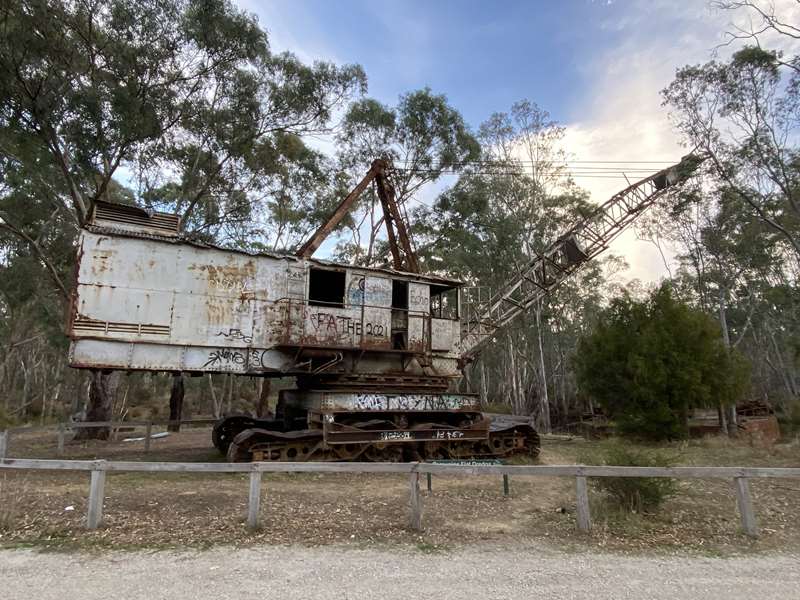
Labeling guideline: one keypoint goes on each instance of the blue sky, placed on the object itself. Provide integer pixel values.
(596, 65)
(481, 57)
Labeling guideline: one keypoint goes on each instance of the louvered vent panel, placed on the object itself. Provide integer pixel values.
(136, 217)
(89, 325)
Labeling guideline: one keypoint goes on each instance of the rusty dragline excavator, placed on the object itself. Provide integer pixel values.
(375, 351)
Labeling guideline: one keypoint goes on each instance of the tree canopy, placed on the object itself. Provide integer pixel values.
(647, 363)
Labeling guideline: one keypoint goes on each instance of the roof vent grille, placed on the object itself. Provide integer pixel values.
(133, 218)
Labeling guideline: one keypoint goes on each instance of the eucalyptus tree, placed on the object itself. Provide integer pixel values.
(501, 211)
(743, 114)
(423, 137)
(181, 101)
(739, 243)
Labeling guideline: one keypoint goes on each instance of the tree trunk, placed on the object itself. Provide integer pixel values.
(515, 394)
(176, 402)
(229, 402)
(216, 404)
(262, 408)
(733, 423)
(733, 430)
(543, 399)
(723, 419)
(102, 389)
(483, 384)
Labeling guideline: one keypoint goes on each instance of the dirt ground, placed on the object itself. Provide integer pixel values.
(160, 511)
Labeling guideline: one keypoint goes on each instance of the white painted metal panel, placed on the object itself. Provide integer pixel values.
(419, 298)
(212, 320)
(121, 305)
(419, 303)
(442, 334)
(378, 292)
(295, 277)
(369, 290)
(127, 262)
(205, 309)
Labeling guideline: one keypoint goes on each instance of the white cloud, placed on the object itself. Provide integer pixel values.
(620, 116)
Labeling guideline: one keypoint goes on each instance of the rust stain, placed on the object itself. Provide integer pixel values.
(101, 260)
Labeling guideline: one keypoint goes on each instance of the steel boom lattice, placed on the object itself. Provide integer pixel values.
(567, 254)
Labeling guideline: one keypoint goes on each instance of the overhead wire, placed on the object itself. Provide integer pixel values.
(585, 169)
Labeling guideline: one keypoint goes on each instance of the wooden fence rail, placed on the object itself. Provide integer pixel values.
(98, 469)
(62, 428)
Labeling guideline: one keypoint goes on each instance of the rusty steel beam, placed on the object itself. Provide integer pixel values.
(388, 218)
(314, 242)
(391, 215)
(395, 227)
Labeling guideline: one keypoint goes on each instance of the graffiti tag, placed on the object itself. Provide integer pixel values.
(236, 334)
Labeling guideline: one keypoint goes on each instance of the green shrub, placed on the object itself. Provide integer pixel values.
(632, 494)
(5, 420)
(648, 363)
(497, 407)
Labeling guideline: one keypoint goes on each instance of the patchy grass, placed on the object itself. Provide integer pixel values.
(178, 510)
(12, 494)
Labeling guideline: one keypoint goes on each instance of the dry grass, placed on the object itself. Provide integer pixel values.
(179, 510)
(13, 491)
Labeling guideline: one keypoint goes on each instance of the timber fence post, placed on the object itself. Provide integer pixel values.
(254, 500)
(745, 504)
(61, 435)
(4, 437)
(583, 513)
(147, 433)
(430, 482)
(506, 490)
(415, 500)
(97, 485)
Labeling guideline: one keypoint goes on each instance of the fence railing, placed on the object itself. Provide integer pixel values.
(98, 469)
(115, 426)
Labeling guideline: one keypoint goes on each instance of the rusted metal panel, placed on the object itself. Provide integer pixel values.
(162, 305)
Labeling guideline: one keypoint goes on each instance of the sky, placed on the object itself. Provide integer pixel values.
(597, 66)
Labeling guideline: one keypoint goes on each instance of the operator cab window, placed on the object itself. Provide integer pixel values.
(444, 303)
(326, 287)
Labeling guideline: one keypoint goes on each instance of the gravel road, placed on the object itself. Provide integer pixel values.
(341, 572)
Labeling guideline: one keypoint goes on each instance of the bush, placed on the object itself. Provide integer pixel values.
(649, 363)
(497, 407)
(5, 420)
(633, 494)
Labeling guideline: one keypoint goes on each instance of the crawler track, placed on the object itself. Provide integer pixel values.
(503, 440)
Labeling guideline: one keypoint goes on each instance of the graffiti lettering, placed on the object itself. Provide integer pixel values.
(255, 358)
(417, 301)
(448, 435)
(236, 334)
(231, 285)
(375, 292)
(396, 435)
(355, 291)
(407, 402)
(331, 325)
(226, 358)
